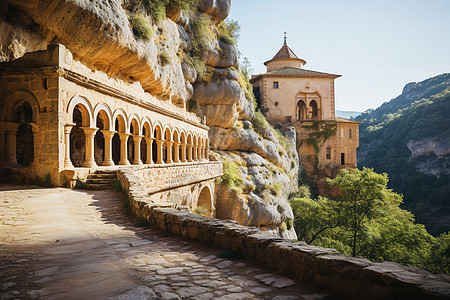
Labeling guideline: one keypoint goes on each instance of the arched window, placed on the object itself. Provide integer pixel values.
(314, 109)
(301, 110)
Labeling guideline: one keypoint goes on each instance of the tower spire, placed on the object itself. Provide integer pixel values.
(285, 37)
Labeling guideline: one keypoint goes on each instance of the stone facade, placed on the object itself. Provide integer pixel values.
(60, 120)
(290, 94)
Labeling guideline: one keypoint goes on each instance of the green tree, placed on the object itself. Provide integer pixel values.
(361, 194)
(313, 217)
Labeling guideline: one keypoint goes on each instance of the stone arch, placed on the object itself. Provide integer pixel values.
(85, 107)
(176, 157)
(103, 111)
(134, 130)
(195, 147)
(167, 147)
(24, 113)
(205, 200)
(301, 110)
(157, 144)
(18, 100)
(134, 120)
(314, 109)
(189, 147)
(103, 121)
(81, 116)
(146, 127)
(120, 121)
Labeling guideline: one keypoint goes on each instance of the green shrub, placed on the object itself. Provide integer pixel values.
(231, 174)
(283, 226)
(201, 211)
(141, 222)
(126, 203)
(155, 8)
(80, 184)
(231, 254)
(140, 27)
(228, 31)
(163, 58)
(118, 186)
(289, 224)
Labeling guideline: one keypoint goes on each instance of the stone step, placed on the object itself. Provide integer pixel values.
(103, 176)
(109, 181)
(109, 172)
(98, 186)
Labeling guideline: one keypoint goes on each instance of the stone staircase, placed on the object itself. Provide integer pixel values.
(101, 179)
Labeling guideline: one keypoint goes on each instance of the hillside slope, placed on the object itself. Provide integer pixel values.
(409, 138)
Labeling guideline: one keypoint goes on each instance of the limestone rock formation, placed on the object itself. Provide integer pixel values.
(100, 34)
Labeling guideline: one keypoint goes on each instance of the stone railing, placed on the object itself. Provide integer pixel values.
(162, 177)
(344, 276)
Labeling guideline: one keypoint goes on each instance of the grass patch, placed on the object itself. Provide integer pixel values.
(276, 189)
(259, 121)
(231, 254)
(201, 211)
(163, 58)
(231, 174)
(283, 226)
(126, 203)
(140, 27)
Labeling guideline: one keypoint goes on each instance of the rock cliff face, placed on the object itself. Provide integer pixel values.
(102, 35)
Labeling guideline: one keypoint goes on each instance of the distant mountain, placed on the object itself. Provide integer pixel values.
(347, 114)
(409, 138)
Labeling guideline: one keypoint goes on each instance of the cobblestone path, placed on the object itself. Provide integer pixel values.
(68, 244)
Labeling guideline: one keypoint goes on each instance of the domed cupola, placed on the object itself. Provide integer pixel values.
(285, 58)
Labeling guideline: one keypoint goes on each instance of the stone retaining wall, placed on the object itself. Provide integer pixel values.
(347, 277)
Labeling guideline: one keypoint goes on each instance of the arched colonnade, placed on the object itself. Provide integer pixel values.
(99, 136)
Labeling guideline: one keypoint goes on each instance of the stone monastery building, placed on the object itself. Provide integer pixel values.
(61, 121)
(290, 94)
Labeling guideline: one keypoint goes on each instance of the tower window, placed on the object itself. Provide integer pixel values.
(275, 84)
(328, 153)
(343, 159)
(350, 133)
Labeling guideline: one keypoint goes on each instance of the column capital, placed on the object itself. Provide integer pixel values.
(89, 130)
(68, 127)
(123, 135)
(108, 134)
(137, 137)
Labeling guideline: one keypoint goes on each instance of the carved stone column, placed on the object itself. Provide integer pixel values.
(159, 144)
(108, 136)
(89, 134)
(199, 153)
(123, 149)
(137, 149)
(183, 152)
(194, 154)
(67, 161)
(10, 154)
(149, 142)
(176, 155)
(189, 158)
(169, 152)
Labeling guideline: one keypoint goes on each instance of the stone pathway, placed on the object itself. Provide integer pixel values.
(68, 244)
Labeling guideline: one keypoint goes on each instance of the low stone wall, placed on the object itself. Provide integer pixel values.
(347, 277)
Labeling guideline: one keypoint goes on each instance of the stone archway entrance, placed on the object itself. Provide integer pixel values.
(205, 200)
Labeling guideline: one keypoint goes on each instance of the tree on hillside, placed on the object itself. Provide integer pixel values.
(361, 195)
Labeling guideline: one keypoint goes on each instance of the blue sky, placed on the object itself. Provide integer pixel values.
(377, 46)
